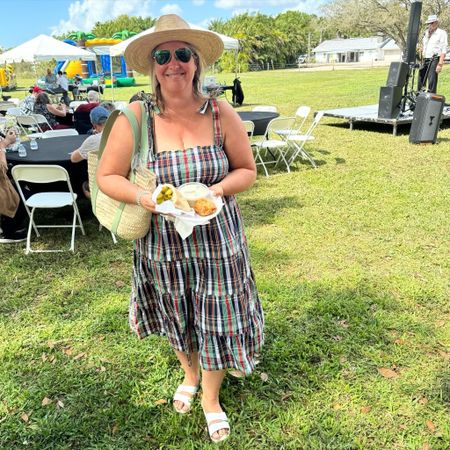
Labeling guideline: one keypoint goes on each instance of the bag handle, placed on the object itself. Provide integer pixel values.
(140, 141)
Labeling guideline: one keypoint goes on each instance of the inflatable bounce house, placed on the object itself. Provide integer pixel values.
(7, 78)
(99, 71)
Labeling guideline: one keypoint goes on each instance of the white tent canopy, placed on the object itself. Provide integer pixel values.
(44, 48)
(119, 49)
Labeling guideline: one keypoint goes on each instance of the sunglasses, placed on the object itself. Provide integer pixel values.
(182, 54)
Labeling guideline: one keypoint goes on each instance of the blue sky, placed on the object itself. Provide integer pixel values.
(29, 18)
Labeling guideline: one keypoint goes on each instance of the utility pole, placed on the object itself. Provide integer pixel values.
(309, 46)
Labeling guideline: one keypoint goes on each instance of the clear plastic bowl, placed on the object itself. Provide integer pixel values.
(193, 191)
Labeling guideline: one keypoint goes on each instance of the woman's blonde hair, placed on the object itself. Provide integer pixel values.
(196, 82)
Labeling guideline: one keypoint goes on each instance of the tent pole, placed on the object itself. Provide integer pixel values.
(112, 76)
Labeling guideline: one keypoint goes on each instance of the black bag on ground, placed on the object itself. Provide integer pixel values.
(238, 93)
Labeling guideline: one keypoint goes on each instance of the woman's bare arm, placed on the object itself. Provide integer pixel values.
(55, 110)
(115, 163)
(237, 147)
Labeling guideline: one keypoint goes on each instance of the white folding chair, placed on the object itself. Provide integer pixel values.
(298, 141)
(267, 108)
(249, 128)
(120, 105)
(34, 173)
(300, 116)
(73, 105)
(15, 111)
(58, 133)
(272, 142)
(81, 92)
(32, 122)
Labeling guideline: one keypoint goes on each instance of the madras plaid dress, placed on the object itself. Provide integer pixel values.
(200, 292)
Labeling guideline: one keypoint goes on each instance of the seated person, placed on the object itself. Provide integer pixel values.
(27, 104)
(76, 82)
(99, 116)
(50, 79)
(82, 121)
(51, 112)
(14, 229)
(108, 105)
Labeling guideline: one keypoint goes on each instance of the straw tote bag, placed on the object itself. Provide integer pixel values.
(125, 220)
(9, 198)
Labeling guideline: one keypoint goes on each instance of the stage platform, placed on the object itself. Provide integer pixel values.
(369, 113)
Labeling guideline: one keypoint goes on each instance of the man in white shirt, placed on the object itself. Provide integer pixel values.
(63, 84)
(99, 117)
(434, 49)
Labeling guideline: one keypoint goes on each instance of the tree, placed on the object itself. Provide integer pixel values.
(123, 22)
(81, 37)
(386, 17)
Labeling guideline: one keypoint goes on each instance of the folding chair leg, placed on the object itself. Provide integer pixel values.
(304, 154)
(282, 157)
(30, 226)
(259, 158)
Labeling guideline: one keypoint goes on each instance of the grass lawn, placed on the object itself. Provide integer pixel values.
(352, 264)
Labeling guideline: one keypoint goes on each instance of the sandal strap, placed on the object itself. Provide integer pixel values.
(222, 425)
(211, 416)
(182, 398)
(188, 389)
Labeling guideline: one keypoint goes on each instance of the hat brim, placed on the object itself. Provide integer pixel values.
(430, 21)
(137, 54)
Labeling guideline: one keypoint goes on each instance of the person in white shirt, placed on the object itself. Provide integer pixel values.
(63, 84)
(99, 116)
(434, 49)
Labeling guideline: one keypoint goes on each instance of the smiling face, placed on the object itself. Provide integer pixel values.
(175, 74)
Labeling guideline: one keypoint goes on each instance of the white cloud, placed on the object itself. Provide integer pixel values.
(171, 8)
(83, 14)
(309, 6)
(198, 2)
(258, 4)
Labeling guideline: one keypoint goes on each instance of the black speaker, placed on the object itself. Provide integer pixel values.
(389, 104)
(413, 31)
(398, 71)
(427, 118)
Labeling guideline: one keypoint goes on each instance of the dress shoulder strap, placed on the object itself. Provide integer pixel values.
(218, 140)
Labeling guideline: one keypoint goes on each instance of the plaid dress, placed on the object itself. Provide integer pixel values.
(200, 292)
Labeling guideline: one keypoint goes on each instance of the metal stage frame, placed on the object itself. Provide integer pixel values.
(369, 113)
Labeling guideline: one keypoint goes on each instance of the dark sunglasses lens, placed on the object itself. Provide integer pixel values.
(183, 54)
(162, 56)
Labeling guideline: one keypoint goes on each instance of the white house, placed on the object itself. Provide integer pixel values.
(369, 49)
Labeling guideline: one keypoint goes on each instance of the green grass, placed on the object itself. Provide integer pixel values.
(352, 264)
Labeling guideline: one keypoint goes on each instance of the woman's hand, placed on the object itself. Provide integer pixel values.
(217, 190)
(145, 200)
(10, 138)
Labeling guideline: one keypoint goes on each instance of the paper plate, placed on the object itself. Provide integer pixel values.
(191, 217)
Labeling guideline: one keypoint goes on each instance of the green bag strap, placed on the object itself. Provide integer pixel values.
(140, 144)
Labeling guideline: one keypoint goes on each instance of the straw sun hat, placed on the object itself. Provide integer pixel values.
(171, 27)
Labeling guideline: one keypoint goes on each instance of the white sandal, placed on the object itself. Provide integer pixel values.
(217, 421)
(181, 397)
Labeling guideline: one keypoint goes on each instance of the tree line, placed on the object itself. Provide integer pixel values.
(279, 40)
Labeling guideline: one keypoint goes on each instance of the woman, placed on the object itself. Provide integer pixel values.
(200, 292)
(51, 112)
(12, 217)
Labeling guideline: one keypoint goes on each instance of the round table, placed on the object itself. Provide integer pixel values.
(55, 151)
(259, 118)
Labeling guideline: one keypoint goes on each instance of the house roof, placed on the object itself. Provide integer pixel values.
(354, 44)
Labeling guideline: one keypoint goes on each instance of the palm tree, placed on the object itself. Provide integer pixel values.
(124, 34)
(81, 37)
